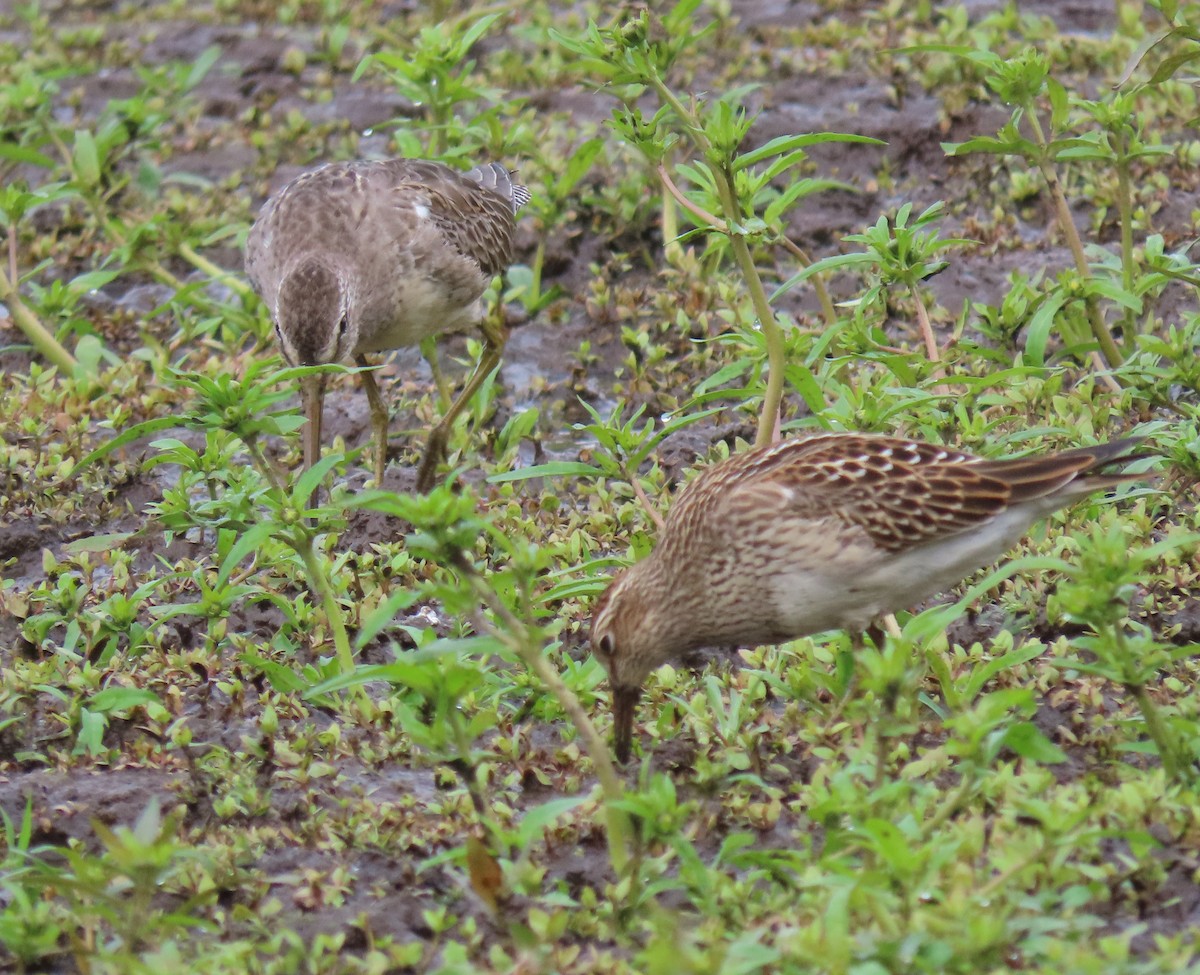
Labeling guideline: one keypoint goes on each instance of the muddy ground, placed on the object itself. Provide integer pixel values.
(540, 368)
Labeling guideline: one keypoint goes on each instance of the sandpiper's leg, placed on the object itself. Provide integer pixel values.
(435, 450)
(379, 419)
(430, 353)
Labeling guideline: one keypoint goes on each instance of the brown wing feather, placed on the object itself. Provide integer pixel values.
(1044, 474)
(299, 214)
(475, 219)
(901, 493)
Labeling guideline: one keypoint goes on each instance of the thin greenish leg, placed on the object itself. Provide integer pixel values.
(379, 418)
(435, 450)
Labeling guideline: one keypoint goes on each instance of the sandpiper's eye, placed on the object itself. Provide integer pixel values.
(606, 645)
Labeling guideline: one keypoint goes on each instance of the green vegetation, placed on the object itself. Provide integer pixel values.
(253, 720)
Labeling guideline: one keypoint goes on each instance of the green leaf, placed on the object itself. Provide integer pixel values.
(1148, 42)
(987, 59)
(119, 698)
(1114, 292)
(807, 385)
(97, 543)
(91, 281)
(23, 154)
(1026, 740)
(556, 468)
(411, 670)
(311, 479)
(1037, 332)
(932, 622)
(1167, 67)
(1059, 104)
(201, 66)
(1014, 658)
(801, 189)
(85, 159)
(383, 614)
(282, 678)
(990, 145)
(786, 143)
(726, 374)
(537, 821)
(476, 31)
(248, 542)
(91, 733)
(578, 164)
(833, 263)
(89, 350)
(128, 435)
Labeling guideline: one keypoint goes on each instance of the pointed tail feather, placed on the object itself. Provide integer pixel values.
(500, 180)
(1074, 472)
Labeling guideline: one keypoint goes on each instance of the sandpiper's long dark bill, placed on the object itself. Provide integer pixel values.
(819, 533)
(366, 256)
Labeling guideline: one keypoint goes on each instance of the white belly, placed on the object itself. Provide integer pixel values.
(852, 591)
(417, 307)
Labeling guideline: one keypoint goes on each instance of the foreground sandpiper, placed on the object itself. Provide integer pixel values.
(365, 256)
(820, 533)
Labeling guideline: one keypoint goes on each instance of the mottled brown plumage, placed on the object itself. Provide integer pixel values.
(825, 532)
(365, 256)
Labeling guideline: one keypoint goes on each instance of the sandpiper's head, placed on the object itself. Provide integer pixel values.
(626, 641)
(313, 320)
(314, 325)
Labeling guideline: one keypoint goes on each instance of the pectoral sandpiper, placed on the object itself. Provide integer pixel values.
(365, 256)
(819, 533)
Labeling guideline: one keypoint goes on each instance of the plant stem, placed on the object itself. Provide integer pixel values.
(818, 282)
(768, 420)
(202, 263)
(640, 493)
(518, 637)
(677, 194)
(1103, 336)
(931, 346)
(535, 271)
(302, 541)
(13, 274)
(672, 249)
(1136, 687)
(620, 833)
(300, 538)
(828, 312)
(966, 786)
(465, 767)
(264, 465)
(723, 181)
(34, 330)
(1125, 211)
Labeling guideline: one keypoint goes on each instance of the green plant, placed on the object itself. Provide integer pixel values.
(729, 184)
(1077, 133)
(1098, 596)
(244, 408)
(449, 533)
(434, 70)
(901, 253)
(112, 895)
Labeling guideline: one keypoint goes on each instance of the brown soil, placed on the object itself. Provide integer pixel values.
(540, 367)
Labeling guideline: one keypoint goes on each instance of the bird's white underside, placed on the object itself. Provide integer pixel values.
(855, 586)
